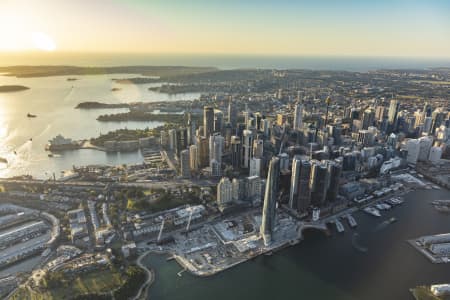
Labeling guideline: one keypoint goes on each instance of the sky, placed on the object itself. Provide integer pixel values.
(321, 27)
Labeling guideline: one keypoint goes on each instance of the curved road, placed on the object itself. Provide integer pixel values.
(150, 276)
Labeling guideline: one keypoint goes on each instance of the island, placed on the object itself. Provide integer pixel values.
(100, 105)
(12, 88)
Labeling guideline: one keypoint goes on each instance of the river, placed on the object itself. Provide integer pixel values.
(53, 100)
(323, 267)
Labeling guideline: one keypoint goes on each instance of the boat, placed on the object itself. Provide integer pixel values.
(392, 220)
(339, 226)
(50, 155)
(351, 221)
(372, 211)
(31, 115)
(3, 160)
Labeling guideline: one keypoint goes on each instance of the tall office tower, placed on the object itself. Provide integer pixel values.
(193, 157)
(281, 119)
(284, 161)
(427, 110)
(368, 118)
(298, 121)
(366, 138)
(224, 192)
(181, 140)
(190, 130)
(208, 121)
(253, 188)
(419, 118)
(232, 113)
(258, 148)
(172, 138)
(164, 138)
(258, 118)
(265, 127)
(270, 201)
(247, 146)
(236, 151)
(439, 116)
(413, 147)
(185, 164)
(202, 151)
(427, 123)
(216, 168)
(425, 143)
(190, 136)
(246, 113)
(392, 114)
(218, 121)
(295, 179)
(392, 141)
(319, 182)
(380, 113)
(255, 167)
(335, 131)
(228, 133)
(216, 144)
(236, 190)
(334, 171)
(304, 191)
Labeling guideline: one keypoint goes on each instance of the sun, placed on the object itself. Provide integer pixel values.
(43, 41)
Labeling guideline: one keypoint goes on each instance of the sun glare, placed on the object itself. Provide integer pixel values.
(43, 42)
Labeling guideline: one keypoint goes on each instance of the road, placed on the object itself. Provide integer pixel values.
(150, 276)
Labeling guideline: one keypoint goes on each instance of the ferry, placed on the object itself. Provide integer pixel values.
(59, 143)
(316, 214)
(372, 211)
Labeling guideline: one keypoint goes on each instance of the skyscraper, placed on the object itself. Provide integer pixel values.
(304, 191)
(235, 152)
(295, 178)
(232, 113)
(319, 182)
(216, 144)
(185, 164)
(255, 167)
(247, 146)
(270, 201)
(202, 151)
(298, 121)
(334, 170)
(218, 121)
(392, 114)
(181, 141)
(224, 192)
(208, 121)
(193, 157)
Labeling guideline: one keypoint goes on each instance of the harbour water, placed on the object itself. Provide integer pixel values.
(322, 267)
(53, 100)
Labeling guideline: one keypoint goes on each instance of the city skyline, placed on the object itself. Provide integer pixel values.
(356, 28)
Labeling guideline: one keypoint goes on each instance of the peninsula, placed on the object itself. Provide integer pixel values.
(12, 88)
(100, 105)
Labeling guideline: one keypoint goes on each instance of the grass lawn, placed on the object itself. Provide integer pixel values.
(89, 283)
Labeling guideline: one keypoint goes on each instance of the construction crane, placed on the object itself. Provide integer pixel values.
(161, 230)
